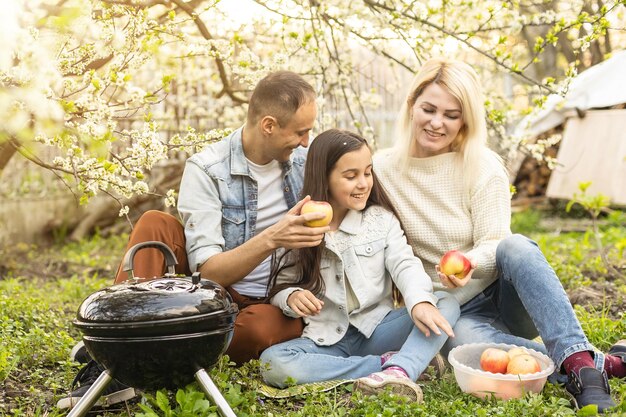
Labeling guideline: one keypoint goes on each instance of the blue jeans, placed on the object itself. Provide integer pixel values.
(527, 300)
(355, 355)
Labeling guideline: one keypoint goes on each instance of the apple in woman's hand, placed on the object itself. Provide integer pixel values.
(455, 263)
(312, 206)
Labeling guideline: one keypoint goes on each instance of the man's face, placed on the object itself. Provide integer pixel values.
(296, 132)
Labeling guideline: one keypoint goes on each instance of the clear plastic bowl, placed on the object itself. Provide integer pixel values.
(465, 360)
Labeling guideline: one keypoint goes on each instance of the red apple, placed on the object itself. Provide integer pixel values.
(318, 207)
(455, 263)
(516, 351)
(494, 360)
(523, 364)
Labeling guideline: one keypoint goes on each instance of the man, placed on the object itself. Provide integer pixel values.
(239, 203)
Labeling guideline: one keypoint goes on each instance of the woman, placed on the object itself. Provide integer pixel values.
(343, 287)
(452, 192)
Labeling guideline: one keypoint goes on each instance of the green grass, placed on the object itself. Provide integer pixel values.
(40, 291)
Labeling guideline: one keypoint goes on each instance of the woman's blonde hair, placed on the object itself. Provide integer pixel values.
(460, 80)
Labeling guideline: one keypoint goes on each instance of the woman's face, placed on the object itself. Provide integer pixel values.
(350, 182)
(436, 121)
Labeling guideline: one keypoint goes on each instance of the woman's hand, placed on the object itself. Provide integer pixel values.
(427, 317)
(452, 281)
(304, 303)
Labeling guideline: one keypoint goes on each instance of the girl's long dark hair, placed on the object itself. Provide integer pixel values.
(324, 152)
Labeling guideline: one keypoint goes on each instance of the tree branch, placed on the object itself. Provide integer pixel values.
(204, 31)
(375, 4)
(137, 5)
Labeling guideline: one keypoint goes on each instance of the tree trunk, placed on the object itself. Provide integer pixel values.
(7, 150)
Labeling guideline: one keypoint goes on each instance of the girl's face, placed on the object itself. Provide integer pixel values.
(350, 183)
(436, 121)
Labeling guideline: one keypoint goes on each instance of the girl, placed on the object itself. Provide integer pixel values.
(343, 287)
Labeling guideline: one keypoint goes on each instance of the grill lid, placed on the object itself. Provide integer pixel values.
(165, 303)
(159, 299)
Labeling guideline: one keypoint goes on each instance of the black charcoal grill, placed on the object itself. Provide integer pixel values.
(156, 334)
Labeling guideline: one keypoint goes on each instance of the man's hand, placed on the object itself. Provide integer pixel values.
(291, 233)
(427, 317)
(452, 281)
(304, 303)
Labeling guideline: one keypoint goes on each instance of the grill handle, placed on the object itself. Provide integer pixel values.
(170, 258)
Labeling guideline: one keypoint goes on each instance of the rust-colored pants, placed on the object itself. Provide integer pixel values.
(258, 325)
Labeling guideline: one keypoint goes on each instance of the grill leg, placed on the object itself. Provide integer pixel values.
(91, 396)
(213, 393)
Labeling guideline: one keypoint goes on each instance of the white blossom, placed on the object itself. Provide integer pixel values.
(116, 90)
(170, 198)
(124, 211)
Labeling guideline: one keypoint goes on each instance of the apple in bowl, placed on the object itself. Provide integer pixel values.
(472, 379)
(523, 364)
(494, 360)
(516, 351)
(517, 361)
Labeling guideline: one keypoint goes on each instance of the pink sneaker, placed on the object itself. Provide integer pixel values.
(396, 379)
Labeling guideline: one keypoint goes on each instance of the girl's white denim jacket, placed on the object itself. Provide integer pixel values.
(369, 249)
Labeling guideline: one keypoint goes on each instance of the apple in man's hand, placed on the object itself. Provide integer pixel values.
(523, 364)
(312, 206)
(494, 360)
(455, 263)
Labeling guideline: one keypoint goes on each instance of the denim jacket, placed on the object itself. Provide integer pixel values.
(369, 250)
(218, 197)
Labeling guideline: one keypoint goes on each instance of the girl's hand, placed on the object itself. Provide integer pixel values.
(427, 317)
(452, 281)
(304, 303)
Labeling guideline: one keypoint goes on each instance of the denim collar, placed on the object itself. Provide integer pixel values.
(352, 222)
(238, 162)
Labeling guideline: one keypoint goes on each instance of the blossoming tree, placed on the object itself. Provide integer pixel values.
(123, 90)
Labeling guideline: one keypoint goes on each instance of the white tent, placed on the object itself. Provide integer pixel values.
(593, 147)
(602, 85)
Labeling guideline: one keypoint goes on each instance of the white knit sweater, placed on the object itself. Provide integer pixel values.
(436, 218)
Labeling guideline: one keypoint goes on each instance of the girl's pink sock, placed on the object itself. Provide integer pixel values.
(396, 369)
